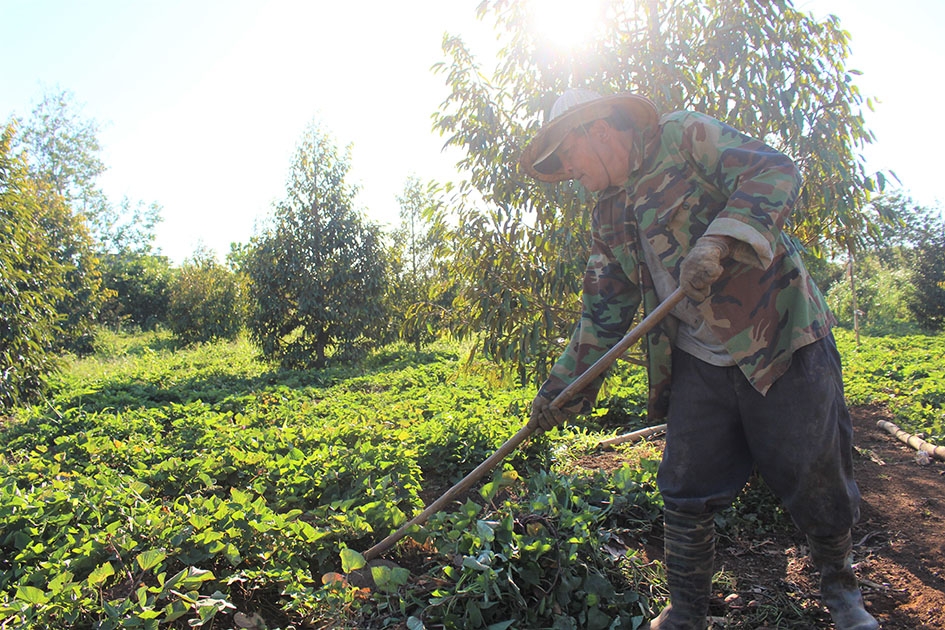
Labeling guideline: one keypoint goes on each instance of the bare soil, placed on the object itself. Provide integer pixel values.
(899, 547)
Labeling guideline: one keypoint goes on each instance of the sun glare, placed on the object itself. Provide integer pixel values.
(566, 23)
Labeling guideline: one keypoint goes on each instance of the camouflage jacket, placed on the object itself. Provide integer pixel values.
(692, 176)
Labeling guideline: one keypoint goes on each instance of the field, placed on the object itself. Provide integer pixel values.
(198, 487)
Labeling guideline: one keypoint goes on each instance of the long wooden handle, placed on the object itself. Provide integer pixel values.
(513, 442)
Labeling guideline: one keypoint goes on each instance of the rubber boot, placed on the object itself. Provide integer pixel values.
(833, 557)
(689, 545)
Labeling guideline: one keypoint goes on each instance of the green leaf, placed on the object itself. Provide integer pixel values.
(150, 559)
(175, 610)
(381, 575)
(389, 579)
(485, 530)
(195, 577)
(57, 583)
(351, 560)
(101, 573)
(31, 595)
(232, 555)
(243, 498)
(399, 576)
(21, 539)
(472, 563)
(597, 619)
(474, 613)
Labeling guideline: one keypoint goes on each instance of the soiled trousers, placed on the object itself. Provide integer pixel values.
(799, 436)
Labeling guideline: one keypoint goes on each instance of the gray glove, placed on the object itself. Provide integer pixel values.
(545, 417)
(702, 267)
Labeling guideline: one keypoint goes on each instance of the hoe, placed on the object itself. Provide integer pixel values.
(648, 323)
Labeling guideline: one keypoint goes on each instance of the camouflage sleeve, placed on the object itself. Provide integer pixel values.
(761, 184)
(610, 300)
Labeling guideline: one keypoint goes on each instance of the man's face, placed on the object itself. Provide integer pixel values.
(581, 159)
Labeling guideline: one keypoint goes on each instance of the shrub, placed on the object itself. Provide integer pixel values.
(139, 286)
(207, 301)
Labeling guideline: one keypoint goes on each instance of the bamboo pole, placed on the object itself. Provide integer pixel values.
(633, 436)
(938, 452)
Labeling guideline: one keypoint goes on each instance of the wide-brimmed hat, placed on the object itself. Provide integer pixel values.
(573, 109)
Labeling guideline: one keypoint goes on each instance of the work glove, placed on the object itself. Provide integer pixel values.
(702, 267)
(545, 417)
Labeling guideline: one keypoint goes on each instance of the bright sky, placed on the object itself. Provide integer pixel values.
(202, 102)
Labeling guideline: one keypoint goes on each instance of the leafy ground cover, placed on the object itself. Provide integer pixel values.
(164, 487)
(904, 374)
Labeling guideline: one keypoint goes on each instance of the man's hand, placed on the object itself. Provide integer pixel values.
(544, 417)
(703, 266)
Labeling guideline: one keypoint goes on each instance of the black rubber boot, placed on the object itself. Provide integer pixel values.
(833, 557)
(689, 544)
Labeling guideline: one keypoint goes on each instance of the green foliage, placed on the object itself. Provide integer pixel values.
(62, 156)
(206, 301)
(32, 283)
(896, 272)
(72, 246)
(182, 486)
(420, 292)
(906, 374)
(763, 67)
(128, 230)
(928, 277)
(910, 224)
(883, 292)
(139, 288)
(318, 274)
(165, 487)
(64, 150)
(536, 562)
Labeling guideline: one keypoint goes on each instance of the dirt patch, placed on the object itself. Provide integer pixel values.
(902, 528)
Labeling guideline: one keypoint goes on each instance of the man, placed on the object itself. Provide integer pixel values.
(746, 370)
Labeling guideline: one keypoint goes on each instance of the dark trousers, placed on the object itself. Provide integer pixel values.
(798, 435)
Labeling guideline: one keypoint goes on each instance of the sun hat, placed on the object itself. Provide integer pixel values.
(574, 108)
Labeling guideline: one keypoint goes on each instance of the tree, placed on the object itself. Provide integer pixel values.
(883, 293)
(206, 301)
(418, 297)
(910, 224)
(893, 272)
(130, 229)
(318, 273)
(762, 67)
(62, 150)
(73, 247)
(65, 152)
(136, 276)
(928, 278)
(32, 283)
